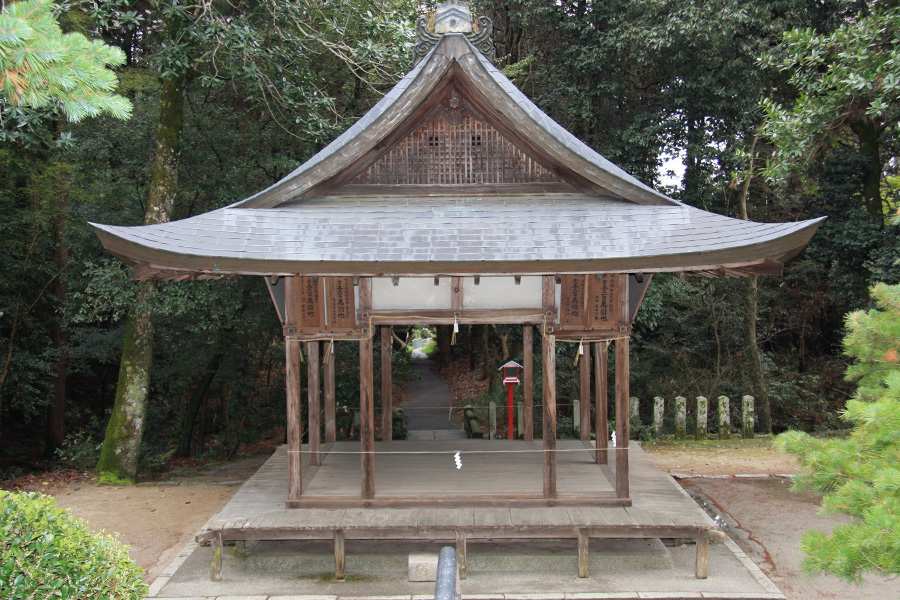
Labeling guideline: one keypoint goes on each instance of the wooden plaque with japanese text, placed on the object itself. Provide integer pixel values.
(312, 305)
(605, 308)
(341, 303)
(573, 306)
(593, 303)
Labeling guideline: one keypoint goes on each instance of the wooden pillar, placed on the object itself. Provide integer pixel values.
(461, 553)
(583, 556)
(215, 567)
(623, 416)
(367, 417)
(387, 404)
(294, 418)
(702, 555)
(339, 556)
(528, 381)
(585, 390)
(330, 422)
(312, 378)
(601, 410)
(549, 372)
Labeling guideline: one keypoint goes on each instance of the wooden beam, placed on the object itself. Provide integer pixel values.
(585, 390)
(294, 419)
(367, 417)
(623, 417)
(449, 316)
(549, 442)
(387, 403)
(601, 410)
(548, 299)
(312, 395)
(330, 418)
(456, 291)
(365, 294)
(528, 380)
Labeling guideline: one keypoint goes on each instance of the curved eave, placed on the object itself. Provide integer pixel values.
(178, 250)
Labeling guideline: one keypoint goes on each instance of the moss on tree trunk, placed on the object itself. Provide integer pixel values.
(122, 444)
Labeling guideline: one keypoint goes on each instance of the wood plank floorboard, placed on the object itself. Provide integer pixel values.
(657, 499)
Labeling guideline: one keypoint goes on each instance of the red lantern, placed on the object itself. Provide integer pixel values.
(510, 372)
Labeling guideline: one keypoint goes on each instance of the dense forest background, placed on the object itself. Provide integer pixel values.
(261, 88)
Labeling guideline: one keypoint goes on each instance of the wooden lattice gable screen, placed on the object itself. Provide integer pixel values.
(456, 145)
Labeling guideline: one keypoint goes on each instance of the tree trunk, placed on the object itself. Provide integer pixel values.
(444, 334)
(56, 425)
(122, 444)
(398, 340)
(867, 133)
(757, 377)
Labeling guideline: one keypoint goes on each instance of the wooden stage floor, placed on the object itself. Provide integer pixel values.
(657, 499)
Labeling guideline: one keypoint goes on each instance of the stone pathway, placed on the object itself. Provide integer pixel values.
(428, 407)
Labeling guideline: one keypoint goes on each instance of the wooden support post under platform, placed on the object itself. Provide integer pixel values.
(367, 417)
(583, 556)
(339, 556)
(461, 553)
(330, 418)
(601, 410)
(294, 419)
(215, 567)
(528, 381)
(387, 405)
(623, 417)
(702, 555)
(549, 442)
(585, 391)
(312, 378)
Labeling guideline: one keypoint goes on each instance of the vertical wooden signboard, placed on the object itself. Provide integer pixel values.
(341, 304)
(573, 299)
(605, 309)
(312, 309)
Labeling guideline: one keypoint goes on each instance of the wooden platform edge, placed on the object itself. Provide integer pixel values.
(455, 502)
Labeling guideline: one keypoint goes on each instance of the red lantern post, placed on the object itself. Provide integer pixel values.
(510, 372)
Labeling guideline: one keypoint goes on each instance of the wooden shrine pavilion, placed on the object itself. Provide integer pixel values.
(456, 200)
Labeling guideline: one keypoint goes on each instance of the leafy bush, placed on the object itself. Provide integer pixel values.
(79, 451)
(47, 553)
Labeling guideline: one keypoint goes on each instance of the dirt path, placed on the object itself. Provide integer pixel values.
(157, 519)
(428, 401)
(725, 457)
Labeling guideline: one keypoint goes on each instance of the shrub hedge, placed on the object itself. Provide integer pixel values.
(47, 553)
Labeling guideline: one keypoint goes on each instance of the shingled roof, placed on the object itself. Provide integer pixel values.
(369, 205)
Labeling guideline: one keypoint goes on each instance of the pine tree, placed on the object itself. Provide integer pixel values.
(860, 475)
(40, 66)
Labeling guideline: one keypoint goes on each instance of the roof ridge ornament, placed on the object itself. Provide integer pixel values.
(453, 17)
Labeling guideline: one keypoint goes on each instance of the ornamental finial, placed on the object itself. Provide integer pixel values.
(453, 17)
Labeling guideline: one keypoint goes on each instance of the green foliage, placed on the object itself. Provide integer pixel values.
(873, 340)
(858, 475)
(46, 553)
(40, 66)
(79, 451)
(848, 79)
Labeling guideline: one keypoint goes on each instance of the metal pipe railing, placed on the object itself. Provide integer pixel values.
(446, 586)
